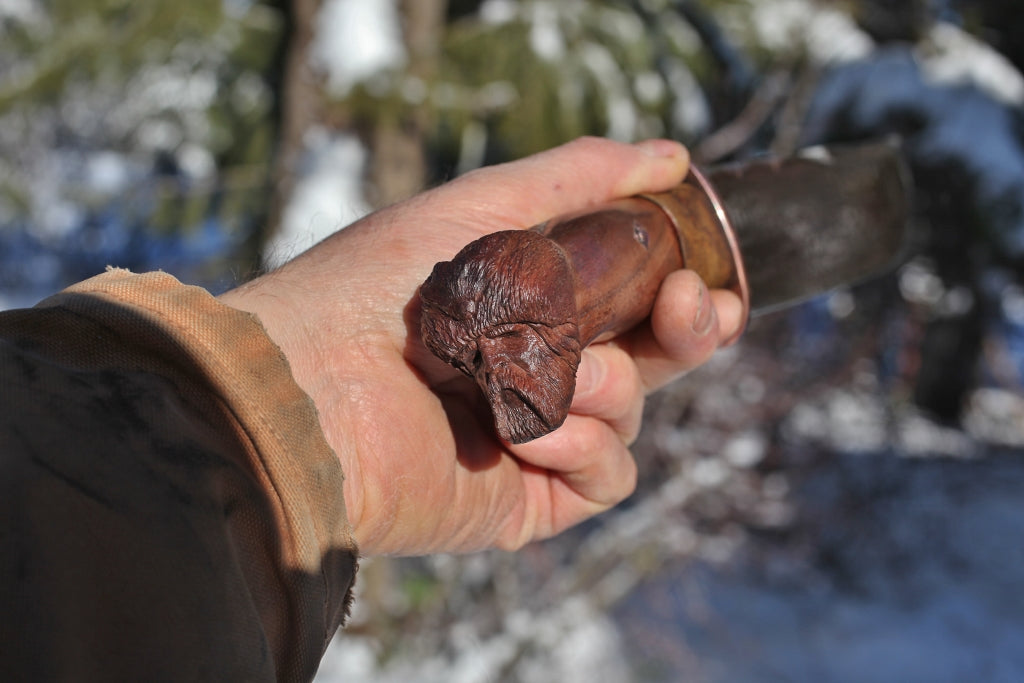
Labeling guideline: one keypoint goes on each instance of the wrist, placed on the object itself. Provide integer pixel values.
(274, 300)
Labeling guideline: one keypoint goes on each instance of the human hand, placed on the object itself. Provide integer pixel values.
(424, 469)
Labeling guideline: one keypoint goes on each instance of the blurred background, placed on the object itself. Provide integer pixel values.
(839, 497)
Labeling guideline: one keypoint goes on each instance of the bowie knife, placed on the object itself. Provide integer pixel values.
(514, 309)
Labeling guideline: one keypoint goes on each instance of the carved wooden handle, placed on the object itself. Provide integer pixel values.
(515, 309)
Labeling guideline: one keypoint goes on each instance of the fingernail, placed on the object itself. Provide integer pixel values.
(705, 311)
(661, 149)
(590, 374)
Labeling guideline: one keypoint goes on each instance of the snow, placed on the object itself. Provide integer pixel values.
(349, 658)
(196, 161)
(954, 57)
(327, 197)
(585, 645)
(621, 111)
(107, 172)
(931, 594)
(356, 39)
(961, 122)
(691, 110)
(746, 449)
(996, 416)
(546, 37)
(496, 12)
(27, 12)
(829, 35)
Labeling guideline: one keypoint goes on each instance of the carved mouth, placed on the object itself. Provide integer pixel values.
(516, 420)
(519, 417)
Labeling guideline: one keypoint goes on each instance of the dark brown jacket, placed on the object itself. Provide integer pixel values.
(169, 507)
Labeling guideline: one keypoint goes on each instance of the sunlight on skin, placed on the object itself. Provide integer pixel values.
(424, 470)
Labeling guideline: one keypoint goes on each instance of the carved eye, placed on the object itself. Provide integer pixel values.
(468, 358)
(497, 331)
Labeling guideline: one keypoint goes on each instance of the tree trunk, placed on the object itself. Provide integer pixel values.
(399, 167)
(298, 95)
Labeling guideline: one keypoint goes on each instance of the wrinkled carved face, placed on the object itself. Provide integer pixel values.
(528, 383)
(508, 319)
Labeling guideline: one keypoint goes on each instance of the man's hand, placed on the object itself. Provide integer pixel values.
(424, 469)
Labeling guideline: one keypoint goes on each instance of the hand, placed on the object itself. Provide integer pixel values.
(424, 469)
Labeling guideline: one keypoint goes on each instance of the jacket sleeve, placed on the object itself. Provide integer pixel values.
(169, 506)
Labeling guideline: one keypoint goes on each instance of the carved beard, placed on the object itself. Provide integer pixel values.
(507, 317)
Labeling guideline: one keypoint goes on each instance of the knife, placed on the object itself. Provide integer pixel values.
(514, 309)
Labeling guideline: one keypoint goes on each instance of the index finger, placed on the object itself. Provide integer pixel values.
(574, 176)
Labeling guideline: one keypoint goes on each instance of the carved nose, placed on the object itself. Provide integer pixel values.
(489, 357)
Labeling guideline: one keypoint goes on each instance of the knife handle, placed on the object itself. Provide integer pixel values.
(514, 309)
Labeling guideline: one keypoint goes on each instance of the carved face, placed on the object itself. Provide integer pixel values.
(528, 383)
(503, 313)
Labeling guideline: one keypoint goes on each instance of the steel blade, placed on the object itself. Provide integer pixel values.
(816, 221)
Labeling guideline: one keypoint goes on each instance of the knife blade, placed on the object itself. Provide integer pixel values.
(514, 309)
(824, 218)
